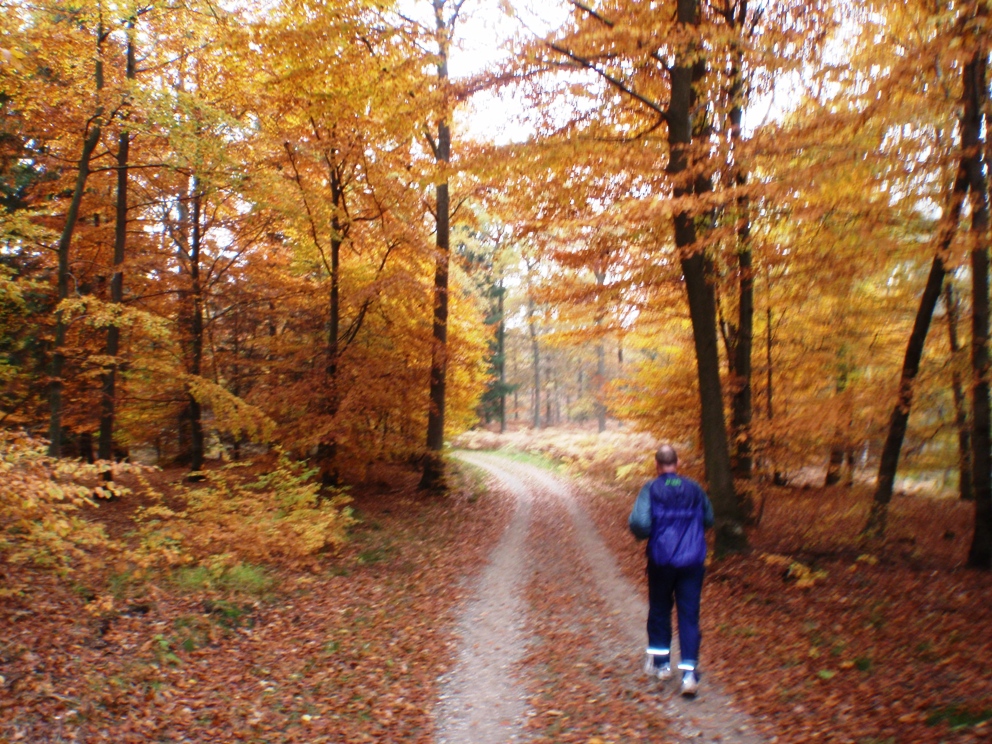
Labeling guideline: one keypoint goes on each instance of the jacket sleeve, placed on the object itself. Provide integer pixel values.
(708, 518)
(640, 516)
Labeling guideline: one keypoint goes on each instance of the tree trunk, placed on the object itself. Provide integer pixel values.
(687, 71)
(536, 359)
(549, 397)
(600, 357)
(56, 384)
(327, 450)
(109, 399)
(501, 357)
(957, 388)
(741, 405)
(433, 476)
(973, 129)
(600, 386)
(840, 444)
(196, 335)
(898, 421)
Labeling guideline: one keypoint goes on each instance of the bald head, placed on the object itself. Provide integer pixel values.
(666, 458)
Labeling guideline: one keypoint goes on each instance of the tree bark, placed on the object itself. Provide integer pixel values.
(600, 362)
(973, 129)
(56, 384)
(741, 404)
(957, 388)
(840, 445)
(433, 475)
(196, 335)
(108, 402)
(501, 356)
(536, 360)
(898, 421)
(327, 450)
(688, 70)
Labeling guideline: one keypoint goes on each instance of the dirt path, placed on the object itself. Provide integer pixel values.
(551, 645)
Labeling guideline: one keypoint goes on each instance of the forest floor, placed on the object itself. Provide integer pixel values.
(510, 610)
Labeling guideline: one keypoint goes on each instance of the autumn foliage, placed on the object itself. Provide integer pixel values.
(253, 256)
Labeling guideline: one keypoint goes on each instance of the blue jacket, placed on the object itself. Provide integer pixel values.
(672, 512)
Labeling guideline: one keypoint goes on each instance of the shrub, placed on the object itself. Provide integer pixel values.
(279, 516)
(40, 500)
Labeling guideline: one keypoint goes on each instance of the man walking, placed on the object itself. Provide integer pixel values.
(672, 512)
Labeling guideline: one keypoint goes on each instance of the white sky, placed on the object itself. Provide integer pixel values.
(481, 43)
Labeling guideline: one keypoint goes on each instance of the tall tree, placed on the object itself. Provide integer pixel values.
(108, 402)
(974, 128)
(964, 181)
(91, 139)
(440, 143)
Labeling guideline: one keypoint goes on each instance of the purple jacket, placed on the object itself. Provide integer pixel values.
(672, 512)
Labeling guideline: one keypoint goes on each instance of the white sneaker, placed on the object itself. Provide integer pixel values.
(690, 684)
(662, 672)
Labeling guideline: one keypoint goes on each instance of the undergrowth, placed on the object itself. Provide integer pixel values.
(621, 457)
(217, 534)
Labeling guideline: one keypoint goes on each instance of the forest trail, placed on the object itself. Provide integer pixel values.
(552, 641)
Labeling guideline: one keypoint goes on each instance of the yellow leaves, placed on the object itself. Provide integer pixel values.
(10, 60)
(100, 314)
(231, 518)
(232, 414)
(102, 605)
(773, 559)
(38, 500)
(799, 573)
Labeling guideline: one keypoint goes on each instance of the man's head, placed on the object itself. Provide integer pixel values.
(666, 459)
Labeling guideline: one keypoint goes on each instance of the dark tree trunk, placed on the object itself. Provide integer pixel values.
(196, 335)
(840, 445)
(536, 359)
(778, 477)
(56, 385)
(600, 363)
(957, 388)
(688, 70)
(433, 476)
(973, 129)
(899, 419)
(835, 465)
(741, 404)
(501, 357)
(327, 450)
(108, 402)
(600, 386)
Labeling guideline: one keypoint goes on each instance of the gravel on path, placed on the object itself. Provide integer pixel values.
(480, 701)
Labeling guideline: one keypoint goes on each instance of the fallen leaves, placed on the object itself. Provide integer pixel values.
(869, 650)
(348, 654)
